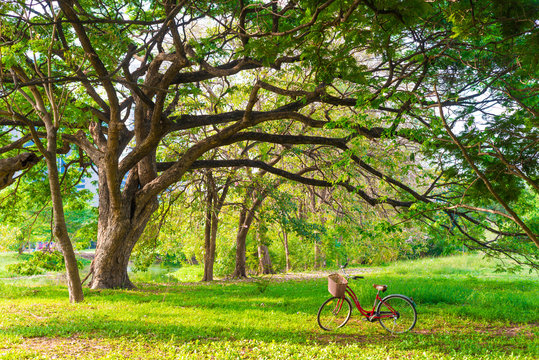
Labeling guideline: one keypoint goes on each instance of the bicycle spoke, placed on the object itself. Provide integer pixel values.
(334, 313)
(397, 314)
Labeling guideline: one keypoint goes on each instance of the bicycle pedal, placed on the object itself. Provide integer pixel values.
(371, 318)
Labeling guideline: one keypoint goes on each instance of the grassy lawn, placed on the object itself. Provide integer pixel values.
(465, 309)
(5, 260)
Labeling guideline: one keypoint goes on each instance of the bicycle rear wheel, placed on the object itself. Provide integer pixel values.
(334, 313)
(397, 314)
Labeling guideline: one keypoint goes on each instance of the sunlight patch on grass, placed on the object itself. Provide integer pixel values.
(460, 316)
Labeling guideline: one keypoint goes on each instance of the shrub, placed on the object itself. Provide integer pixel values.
(40, 262)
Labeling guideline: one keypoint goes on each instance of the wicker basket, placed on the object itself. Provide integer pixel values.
(337, 285)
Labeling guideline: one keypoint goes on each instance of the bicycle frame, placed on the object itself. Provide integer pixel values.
(371, 315)
(352, 295)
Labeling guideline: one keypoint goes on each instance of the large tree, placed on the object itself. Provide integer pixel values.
(345, 75)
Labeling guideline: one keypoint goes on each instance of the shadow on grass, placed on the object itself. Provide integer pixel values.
(283, 313)
(455, 342)
(479, 299)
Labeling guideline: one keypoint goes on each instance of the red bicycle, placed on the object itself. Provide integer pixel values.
(396, 313)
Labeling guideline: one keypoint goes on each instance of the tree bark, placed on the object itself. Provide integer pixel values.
(214, 204)
(9, 166)
(314, 210)
(51, 120)
(110, 264)
(286, 251)
(209, 255)
(264, 260)
(20, 249)
(316, 255)
(118, 232)
(321, 256)
(210, 236)
(114, 246)
(241, 236)
(246, 219)
(60, 233)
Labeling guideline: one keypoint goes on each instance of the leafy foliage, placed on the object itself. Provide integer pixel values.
(40, 262)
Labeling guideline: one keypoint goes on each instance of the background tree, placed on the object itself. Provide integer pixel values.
(215, 199)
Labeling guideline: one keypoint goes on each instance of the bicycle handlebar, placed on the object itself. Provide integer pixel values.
(348, 276)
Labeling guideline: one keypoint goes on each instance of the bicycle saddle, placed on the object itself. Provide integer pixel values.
(381, 288)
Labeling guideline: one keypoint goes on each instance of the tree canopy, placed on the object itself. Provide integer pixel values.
(426, 108)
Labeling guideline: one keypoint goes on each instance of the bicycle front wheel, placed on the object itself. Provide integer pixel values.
(397, 314)
(334, 313)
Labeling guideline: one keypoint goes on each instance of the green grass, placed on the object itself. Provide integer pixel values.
(465, 312)
(5, 260)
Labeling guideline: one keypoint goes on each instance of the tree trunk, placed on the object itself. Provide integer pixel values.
(264, 260)
(214, 204)
(241, 237)
(208, 255)
(51, 120)
(59, 229)
(117, 234)
(112, 257)
(286, 251)
(114, 246)
(210, 237)
(318, 244)
(246, 219)
(213, 242)
(316, 255)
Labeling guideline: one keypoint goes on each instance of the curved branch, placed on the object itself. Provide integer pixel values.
(16, 144)
(205, 164)
(228, 69)
(9, 166)
(533, 237)
(82, 142)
